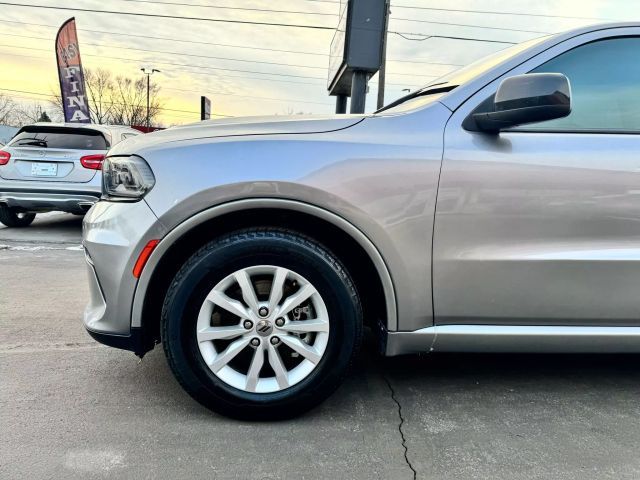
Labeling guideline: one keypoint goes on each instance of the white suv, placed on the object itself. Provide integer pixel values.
(47, 167)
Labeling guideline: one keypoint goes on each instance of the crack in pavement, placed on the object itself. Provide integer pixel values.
(404, 439)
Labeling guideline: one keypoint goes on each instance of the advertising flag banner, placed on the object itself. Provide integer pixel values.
(72, 89)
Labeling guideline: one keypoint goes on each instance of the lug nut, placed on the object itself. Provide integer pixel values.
(255, 342)
(275, 340)
(263, 311)
(280, 322)
(248, 324)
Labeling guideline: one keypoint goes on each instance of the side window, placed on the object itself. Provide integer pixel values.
(605, 86)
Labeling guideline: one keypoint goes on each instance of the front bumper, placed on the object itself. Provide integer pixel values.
(132, 342)
(113, 237)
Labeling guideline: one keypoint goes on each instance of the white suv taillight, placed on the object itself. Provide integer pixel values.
(4, 157)
(92, 162)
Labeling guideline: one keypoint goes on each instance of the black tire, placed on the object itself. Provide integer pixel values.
(225, 255)
(13, 219)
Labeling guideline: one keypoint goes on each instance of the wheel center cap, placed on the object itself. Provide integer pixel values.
(264, 328)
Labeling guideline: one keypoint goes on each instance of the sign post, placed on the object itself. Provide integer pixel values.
(205, 108)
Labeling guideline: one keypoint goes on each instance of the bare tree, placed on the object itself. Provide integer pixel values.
(117, 100)
(130, 102)
(32, 113)
(55, 104)
(7, 110)
(99, 84)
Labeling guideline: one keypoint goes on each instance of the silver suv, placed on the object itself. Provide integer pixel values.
(48, 166)
(496, 209)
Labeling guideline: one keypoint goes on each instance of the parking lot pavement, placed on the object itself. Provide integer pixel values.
(70, 408)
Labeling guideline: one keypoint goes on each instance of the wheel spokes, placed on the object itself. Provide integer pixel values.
(297, 345)
(253, 375)
(220, 333)
(296, 299)
(307, 326)
(278, 368)
(248, 292)
(237, 350)
(229, 354)
(277, 286)
(228, 304)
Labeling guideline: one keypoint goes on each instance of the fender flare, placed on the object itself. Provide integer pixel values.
(267, 203)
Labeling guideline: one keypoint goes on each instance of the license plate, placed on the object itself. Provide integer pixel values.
(40, 169)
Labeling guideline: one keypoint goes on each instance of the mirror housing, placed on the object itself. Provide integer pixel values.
(522, 99)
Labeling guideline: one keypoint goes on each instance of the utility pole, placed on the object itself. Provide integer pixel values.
(148, 72)
(382, 73)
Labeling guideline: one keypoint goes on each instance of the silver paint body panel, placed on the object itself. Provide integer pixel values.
(515, 339)
(532, 240)
(537, 228)
(344, 172)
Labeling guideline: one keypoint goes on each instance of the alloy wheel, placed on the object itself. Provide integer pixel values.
(263, 329)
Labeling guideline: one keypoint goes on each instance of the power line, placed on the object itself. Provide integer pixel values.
(427, 37)
(107, 103)
(232, 59)
(266, 10)
(173, 63)
(243, 77)
(190, 71)
(199, 92)
(178, 115)
(491, 12)
(171, 17)
(471, 26)
(175, 53)
(177, 17)
(193, 55)
(171, 39)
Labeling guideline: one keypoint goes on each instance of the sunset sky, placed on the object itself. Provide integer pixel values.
(251, 74)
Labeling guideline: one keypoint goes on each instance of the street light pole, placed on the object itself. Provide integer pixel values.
(148, 72)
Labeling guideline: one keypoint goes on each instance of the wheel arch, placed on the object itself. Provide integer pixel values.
(360, 256)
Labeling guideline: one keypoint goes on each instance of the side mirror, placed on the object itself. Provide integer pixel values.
(522, 99)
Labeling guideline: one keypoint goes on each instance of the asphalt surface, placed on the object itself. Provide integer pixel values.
(70, 408)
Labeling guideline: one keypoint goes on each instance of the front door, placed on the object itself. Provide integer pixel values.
(541, 225)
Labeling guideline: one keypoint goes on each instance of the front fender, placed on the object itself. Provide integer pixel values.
(271, 203)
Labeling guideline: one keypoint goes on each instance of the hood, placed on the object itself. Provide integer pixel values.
(239, 126)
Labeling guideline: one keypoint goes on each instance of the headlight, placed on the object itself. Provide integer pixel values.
(126, 178)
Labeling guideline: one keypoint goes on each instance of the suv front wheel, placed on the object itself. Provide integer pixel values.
(261, 324)
(12, 218)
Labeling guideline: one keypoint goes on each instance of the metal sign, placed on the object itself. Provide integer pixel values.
(357, 43)
(72, 89)
(205, 108)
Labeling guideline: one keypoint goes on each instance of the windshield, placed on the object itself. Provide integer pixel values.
(450, 81)
(49, 137)
(477, 68)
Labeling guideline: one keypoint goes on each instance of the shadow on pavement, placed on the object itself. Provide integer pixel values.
(52, 227)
